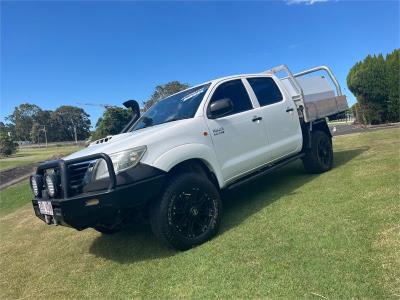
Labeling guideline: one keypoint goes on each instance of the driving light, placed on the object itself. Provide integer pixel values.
(121, 161)
(51, 184)
(92, 202)
(36, 182)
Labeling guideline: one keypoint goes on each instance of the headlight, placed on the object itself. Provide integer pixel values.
(121, 161)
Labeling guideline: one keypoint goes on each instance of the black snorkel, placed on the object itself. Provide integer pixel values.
(134, 106)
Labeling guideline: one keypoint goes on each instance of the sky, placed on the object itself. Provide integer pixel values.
(65, 53)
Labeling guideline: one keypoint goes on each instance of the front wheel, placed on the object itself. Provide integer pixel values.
(188, 212)
(319, 158)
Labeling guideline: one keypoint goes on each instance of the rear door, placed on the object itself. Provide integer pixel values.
(239, 138)
(280, 117)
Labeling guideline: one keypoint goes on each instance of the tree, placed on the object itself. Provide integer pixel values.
(35, 132)
(375, 83)
(22, 119)
(7, 128)
(393, 83)
(42, 123)
(165, 90)
(113, 121)
(67, 120)
(7, 144)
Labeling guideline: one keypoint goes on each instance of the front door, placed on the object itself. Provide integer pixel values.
(239, 138)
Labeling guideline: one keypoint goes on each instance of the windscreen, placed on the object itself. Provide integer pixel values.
(180, 106)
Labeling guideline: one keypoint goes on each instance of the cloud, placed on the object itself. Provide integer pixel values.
(307, 2)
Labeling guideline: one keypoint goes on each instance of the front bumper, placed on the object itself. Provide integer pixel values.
(130, 189)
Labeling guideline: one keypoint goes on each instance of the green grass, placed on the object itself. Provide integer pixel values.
(289, 235)
(26, 156)
(14, 197)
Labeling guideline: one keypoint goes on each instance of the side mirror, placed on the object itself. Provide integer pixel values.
(220, 108)
(134, 106)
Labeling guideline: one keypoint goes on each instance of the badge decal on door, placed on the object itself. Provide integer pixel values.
(218, 131)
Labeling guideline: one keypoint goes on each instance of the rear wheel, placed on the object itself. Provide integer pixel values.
(319, 158)
(188, 212)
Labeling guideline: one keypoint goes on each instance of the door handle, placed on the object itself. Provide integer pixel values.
(289, 109)
(255, 119)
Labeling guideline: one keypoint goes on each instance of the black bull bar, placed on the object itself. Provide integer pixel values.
(62, 165)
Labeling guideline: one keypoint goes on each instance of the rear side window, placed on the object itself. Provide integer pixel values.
(235, 91)
(266, 90)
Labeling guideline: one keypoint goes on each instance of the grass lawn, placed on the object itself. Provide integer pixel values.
(26, 156)
(289, 234)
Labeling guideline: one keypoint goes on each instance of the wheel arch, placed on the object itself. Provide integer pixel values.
(191, 157)
(308, 128)
(198, 166)
(321, 125)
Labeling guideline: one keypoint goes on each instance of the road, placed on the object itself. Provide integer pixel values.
(341, 129)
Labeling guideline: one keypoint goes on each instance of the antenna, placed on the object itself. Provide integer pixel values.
(106, 106)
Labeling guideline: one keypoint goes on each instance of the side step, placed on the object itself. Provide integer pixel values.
(261, 172)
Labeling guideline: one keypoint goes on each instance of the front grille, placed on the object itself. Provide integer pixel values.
(77, 176)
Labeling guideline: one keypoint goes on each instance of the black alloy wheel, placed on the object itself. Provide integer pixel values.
(188, 212)
(191, 213)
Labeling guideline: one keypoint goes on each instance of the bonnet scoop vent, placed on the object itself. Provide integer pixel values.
(101, 141)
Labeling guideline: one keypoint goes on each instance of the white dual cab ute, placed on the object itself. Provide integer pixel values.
(172, 162)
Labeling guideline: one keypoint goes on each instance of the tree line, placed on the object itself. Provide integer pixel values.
(375, 82)
(29, 122)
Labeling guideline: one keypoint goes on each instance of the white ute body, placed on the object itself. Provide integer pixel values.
(235, 145)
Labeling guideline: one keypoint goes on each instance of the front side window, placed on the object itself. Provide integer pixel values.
(180, 106)
(266, 90)
(235, 91)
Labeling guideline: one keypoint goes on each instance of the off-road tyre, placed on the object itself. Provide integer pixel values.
(319, 158)
(187, 213)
